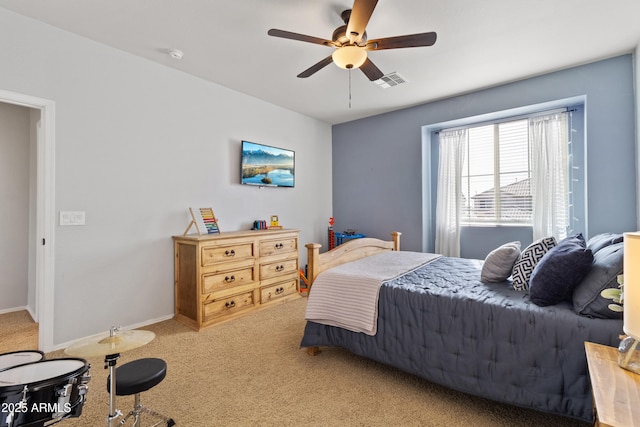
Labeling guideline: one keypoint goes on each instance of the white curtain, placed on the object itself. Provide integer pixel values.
(548, 144)
(453, 149)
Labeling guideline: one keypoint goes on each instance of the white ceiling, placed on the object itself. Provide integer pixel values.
(480, 44)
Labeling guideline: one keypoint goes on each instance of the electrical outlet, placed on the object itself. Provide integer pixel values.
(72, 218)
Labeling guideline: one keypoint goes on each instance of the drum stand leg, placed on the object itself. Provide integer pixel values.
(110, 362)
(138, 409)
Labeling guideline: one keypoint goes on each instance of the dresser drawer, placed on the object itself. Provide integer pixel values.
(224, 280)
(278, 290)
(279, 246)
(227, 306)
(278, 268)
(216, 254)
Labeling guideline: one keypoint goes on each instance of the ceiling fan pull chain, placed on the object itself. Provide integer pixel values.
(349, 88)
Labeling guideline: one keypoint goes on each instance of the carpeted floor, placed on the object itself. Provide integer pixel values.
(251, 372)
(18, 332)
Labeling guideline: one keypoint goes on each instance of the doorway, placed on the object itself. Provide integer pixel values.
(43, 239)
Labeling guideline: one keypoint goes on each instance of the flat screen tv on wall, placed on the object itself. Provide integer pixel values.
(267, 166)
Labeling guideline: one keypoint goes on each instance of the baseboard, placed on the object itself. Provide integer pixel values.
(11, 310)
(105, 333)
(32, 314)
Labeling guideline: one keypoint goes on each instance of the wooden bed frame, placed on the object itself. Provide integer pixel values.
(350, 251)
(347, 252)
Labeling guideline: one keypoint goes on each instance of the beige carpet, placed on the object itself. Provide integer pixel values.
(18, 332)
(251, 372)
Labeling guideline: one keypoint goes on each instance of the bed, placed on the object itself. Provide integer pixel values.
(441, 322)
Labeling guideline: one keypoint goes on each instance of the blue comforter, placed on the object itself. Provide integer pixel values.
(441, 323)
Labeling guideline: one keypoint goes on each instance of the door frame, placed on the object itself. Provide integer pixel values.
(44, 239)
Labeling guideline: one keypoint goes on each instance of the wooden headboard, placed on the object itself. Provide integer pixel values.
(349, 251)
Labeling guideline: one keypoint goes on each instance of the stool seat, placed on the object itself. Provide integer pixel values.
(138, 376)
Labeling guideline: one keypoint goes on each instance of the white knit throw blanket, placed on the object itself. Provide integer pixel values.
(347, 295)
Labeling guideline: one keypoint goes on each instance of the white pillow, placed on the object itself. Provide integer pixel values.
(498, 265)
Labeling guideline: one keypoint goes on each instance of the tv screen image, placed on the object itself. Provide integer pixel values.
(267, 166)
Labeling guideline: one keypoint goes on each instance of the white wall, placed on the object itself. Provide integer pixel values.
(14, 199)
(137, 144)
(34, 241)
(637, 99)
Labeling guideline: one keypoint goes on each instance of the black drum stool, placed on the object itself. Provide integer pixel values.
(136, 377)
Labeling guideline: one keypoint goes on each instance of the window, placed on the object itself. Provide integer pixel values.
(525, 170)
(496, 175)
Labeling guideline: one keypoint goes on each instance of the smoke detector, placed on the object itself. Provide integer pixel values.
(175, 54)
(390, 80)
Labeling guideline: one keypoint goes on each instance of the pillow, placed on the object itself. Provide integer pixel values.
(498, 264)
(603, 240)
(559, 271)
(607, 265)
(527, 261)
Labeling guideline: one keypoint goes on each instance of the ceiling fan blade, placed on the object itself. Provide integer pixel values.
(411, 40)
(316, 67)
(301, 37)
(360, 15)
(371, 71)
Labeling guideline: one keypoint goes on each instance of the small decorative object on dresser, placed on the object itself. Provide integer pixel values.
(222, 276)
(259, 224)
(204, 221)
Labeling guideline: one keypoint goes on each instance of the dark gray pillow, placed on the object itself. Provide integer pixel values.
(498, 264)
(607, 265)
(603, 240)
(527, 261)
(559, 271)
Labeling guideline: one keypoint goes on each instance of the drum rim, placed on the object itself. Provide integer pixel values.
(22, 351)
(42, 358)
(46, 382)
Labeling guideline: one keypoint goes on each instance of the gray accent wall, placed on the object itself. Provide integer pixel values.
(381, 164)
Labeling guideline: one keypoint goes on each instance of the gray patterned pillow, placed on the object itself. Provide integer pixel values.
(529, 257)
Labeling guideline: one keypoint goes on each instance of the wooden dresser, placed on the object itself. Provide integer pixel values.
(222, 276)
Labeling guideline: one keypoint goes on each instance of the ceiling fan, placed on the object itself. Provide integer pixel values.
(351, 44)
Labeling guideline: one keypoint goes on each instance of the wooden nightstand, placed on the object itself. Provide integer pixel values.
(616, 392)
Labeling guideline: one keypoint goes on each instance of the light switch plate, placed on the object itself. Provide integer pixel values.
(72, 218)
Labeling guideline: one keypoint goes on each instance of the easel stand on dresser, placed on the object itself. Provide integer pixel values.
(222, 276)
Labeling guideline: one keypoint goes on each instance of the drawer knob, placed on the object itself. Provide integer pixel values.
(279, 267)
(229, 253)
(230, 304)
(279, 245)
(230, 279)
(279, 291)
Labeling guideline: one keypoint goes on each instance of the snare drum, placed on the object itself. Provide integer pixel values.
(15, 358)
(36, 393)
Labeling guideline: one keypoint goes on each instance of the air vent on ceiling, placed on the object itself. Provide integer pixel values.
(390, 80)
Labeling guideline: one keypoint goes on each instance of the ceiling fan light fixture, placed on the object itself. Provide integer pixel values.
(351, 42)
(348, 57)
